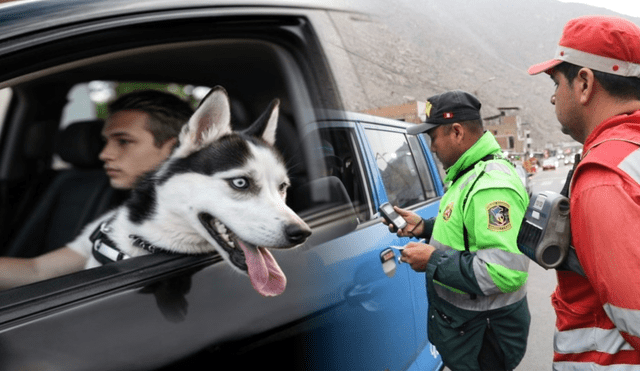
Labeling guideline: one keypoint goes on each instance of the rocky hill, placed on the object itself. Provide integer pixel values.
(414, 49)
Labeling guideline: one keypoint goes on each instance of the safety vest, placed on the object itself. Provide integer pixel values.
(598, 317)
(480, 280)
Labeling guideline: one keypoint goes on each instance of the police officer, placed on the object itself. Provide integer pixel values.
(478, 314)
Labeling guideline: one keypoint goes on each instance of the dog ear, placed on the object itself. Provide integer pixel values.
(265, 126)
(210, 121)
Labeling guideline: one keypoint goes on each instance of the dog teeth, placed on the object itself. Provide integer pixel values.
(222, 232)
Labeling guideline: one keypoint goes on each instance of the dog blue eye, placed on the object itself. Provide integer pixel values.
(240, 183)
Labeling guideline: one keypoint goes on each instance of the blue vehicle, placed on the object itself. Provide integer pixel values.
(349, 304)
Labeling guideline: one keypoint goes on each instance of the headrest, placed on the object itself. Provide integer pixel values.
(80, 143)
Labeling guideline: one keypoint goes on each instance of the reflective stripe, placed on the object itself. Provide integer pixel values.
(468, 180)
(491, 166)
(590, 339)
(627, 320)
(631, 165)
(480, 303)
(513, 261)
(590, 366)
(518, 262)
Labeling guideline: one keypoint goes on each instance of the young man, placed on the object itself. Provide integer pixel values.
(140, 133)
(596, 71)
(478, 314)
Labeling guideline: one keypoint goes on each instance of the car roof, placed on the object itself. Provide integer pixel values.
(25, 16)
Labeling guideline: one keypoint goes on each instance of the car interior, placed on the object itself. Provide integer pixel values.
(44, 206)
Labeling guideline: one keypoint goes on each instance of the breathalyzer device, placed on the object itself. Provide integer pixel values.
(545, 233)
(391, 216)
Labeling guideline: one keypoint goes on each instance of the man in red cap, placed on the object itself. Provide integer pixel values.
(596, 71)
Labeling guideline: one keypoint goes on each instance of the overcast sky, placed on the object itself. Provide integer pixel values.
(627, 7)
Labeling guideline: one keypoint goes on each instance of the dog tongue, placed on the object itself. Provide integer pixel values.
(266, 276)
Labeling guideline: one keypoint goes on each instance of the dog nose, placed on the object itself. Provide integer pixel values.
(297, 233)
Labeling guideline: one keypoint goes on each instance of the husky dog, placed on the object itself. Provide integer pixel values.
(220, 190)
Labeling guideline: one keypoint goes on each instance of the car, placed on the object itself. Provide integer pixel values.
(550, 163)
(349, 303)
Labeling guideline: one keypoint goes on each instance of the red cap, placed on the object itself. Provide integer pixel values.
(602, 43)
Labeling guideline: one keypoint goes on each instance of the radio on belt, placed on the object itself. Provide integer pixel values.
(545, 233)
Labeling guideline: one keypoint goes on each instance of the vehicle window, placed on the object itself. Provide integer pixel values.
(341, 160)
(5, 99)
(397, 167)
(439, 165)
(423, 167)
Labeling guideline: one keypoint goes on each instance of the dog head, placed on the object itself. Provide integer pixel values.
(228, 189)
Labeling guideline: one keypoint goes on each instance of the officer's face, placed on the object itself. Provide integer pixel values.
(443, 145)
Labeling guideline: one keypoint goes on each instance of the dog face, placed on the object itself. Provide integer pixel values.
(227, 190)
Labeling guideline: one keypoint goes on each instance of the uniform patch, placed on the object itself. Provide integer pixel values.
(498, 214)
(446, 215)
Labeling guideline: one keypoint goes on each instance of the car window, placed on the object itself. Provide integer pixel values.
(5, 99)
(423, 166)
(439, 165)
(342, 160)
(397, 167)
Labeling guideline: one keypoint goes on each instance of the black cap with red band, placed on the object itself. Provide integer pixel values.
(447, 108)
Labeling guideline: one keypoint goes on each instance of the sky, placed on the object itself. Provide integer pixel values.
(625, 7)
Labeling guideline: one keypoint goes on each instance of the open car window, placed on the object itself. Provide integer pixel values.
(256, 58)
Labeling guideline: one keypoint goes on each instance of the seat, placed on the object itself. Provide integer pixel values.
(75, 196)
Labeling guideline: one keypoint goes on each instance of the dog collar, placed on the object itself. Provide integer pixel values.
(103, 248)
(106, 251)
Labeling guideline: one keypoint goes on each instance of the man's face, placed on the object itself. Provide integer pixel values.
(442, 145)
(566, 105)
(130, 150)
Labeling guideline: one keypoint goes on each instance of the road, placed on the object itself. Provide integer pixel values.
(540, 286)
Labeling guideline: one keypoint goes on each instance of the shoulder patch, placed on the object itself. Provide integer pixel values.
(446, 215)
(498, 215)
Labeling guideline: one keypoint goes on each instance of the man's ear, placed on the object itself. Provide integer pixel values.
(458, 131)
(583, 85)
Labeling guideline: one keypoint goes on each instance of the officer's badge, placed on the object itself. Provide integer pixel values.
(498, 214)
(446, 215)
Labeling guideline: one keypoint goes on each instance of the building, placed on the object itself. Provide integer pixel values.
(412, 111)
(513, 136)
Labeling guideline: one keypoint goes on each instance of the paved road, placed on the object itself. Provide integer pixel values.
(540, 286)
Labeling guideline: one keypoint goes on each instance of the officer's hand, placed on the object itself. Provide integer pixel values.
(415, 224)
(417, 255)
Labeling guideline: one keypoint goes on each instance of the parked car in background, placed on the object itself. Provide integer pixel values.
(550, 163)
(348, 305)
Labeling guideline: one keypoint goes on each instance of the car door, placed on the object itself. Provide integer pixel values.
(377, 305)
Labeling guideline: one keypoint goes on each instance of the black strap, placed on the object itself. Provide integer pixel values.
(567, 183)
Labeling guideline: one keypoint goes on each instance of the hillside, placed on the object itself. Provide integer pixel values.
(420, 48)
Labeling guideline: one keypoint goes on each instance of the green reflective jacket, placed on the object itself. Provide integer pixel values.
(484, 285)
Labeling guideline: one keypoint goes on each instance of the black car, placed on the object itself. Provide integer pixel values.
(348, 305)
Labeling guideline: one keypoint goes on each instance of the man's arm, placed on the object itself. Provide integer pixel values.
(21, 271)
(497, 266)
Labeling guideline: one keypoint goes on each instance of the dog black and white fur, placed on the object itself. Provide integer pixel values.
(220, 190)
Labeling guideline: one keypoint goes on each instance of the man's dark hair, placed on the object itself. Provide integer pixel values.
(167, 113)
(618, 86)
